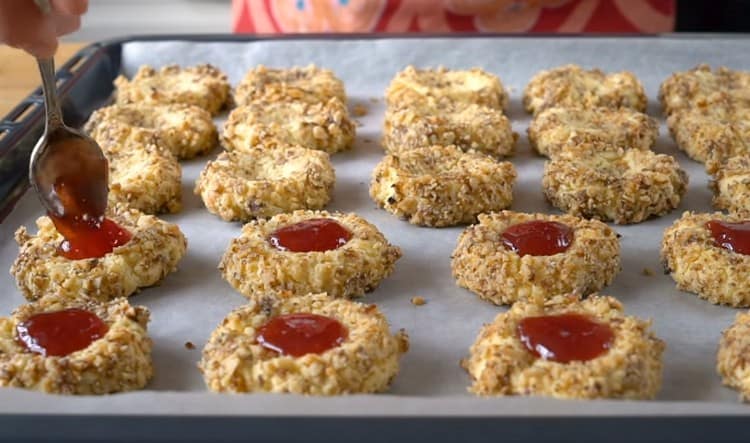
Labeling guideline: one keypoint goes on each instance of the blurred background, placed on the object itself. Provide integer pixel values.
(116, 18)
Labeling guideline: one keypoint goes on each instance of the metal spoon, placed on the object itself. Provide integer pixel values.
(68, 169)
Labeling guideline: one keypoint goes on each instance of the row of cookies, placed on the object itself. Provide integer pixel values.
(299, 332)
(640, 360)
(427, 95)
(509, 256)
(278, 140)
(500, 257)
(289, 339)
(527, 260)
(158, 118)
(707, 114)
(587, 122)
(79, 334)
(243, 354)
(505, 359)
(291, 109)
(602, 103)
(582, 121)
(444, 133)
(523, 259)
(307, 109)
(83, 337)
(250, 371)
(594, 129)
(65, 290)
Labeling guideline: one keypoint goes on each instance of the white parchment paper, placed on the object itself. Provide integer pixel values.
(192, 301)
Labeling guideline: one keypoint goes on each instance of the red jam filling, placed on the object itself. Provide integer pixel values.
(734, 237)
(87, 233)
(93, 239)
(538, 237)
(318, 234)
(566, 337)
(60, 333)
(300, 334)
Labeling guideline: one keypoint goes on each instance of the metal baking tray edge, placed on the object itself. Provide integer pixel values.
(85, 84)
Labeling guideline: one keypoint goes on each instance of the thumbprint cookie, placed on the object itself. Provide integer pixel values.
(66, 346)
(566, 348)
(733, 358)
(573, 86)
(311, 344)
(441, 186)
(469, 127)
(186, 130)
(709, 254)
(203, 85)
(462, 87)
(509, 256)
(611, 183)
(731, 186)
(555, 128)
(309, 84)
(143, 175)
(128, 250)
(325, 126)
(262, 182)
(308, 251)
(713, 135)
(704, 88)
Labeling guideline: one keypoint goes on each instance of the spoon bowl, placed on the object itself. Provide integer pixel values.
(68, 169)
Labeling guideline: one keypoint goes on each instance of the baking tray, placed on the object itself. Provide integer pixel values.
(428, 399)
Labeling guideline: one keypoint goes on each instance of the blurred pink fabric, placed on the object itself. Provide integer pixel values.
(443, 16)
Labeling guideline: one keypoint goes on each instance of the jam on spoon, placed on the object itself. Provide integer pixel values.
(87, 233)
(70, 175)
(60, 333)
(314, 235)
(538, 237)
(565, 337)
(300, 334)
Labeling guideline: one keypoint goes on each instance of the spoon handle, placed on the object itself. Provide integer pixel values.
(51, 103)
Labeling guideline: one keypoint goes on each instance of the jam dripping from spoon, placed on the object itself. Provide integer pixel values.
(87, 232)
(69, 172)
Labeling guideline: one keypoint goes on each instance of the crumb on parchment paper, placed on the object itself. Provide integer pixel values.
(418, 301)
(189, 345)
(360, 110)
(648, 272)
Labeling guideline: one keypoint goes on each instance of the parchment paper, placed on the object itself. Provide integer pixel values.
(191, 302)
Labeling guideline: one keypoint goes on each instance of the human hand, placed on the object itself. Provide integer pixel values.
(23, 25)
